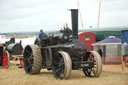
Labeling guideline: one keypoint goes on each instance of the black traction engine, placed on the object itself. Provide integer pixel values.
(62, 54)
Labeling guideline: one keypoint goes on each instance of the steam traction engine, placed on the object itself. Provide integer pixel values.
(61, 54)
(9, 49)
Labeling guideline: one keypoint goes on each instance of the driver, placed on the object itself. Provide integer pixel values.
(42, 33)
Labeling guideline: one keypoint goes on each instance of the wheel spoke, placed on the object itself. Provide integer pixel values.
(30, 59)
(57, 70)
(61, 72)
(61, 62)
(56, 63)
(28, 52)
(25, 59)
(93, 71)
(29, 66)
(31, 56)
(89, 72)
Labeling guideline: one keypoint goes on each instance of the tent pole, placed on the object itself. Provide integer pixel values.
(122, 63)
(99, 14)
(80, 15)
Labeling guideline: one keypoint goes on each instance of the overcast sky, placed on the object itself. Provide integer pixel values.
(32, 15)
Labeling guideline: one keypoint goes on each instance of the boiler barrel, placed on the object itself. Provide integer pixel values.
(15, 48)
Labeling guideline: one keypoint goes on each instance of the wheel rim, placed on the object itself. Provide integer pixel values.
(97, 67)
(28, 59)
(6, 60)
(62, 65)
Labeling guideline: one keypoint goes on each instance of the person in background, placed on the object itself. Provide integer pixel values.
(42, 33)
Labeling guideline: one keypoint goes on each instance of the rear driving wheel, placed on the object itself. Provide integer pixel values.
(96, 70)
(32, 59)
(62, 65)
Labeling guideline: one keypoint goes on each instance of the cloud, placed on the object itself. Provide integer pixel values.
(31, 15)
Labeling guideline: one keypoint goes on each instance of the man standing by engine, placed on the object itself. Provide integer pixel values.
(42, 33)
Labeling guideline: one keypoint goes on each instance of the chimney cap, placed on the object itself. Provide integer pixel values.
(73, 9)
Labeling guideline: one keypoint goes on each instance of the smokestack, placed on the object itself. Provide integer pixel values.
(74, 18)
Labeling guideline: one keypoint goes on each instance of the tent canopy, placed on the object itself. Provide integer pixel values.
(109, 40)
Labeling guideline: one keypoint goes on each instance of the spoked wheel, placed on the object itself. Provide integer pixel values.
(6, 59)
(62, 65)
(96, 70)
(32, 59)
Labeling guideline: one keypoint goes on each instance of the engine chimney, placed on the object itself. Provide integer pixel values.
(74, 18)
